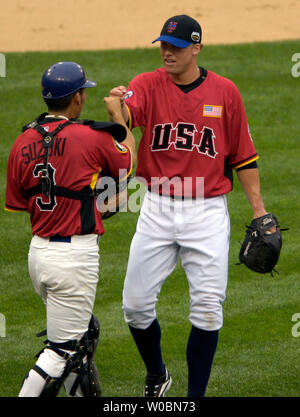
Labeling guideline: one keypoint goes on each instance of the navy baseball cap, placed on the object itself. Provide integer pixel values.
(180, 31)
(64, 78)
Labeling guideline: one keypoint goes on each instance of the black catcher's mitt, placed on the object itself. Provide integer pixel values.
(261, 249)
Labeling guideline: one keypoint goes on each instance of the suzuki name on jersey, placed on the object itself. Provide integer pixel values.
(183, 137)
(34, 151)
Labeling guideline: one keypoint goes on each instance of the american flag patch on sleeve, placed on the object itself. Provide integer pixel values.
(212, 111)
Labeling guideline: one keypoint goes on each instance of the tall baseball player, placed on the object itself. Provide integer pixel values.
(52, 172)
(195, 132)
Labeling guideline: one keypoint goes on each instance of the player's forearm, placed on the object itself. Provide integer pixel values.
(114, 109)
(130, 140)
(249, 179)
(125, 113)
(123, 116)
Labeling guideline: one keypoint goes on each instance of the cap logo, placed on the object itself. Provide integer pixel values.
(171, 27)
(195, 36)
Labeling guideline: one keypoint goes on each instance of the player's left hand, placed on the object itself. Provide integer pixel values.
(262, 244)
(113, 107)
(260, 213)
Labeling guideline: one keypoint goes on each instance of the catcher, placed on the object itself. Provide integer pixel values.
(52, 173)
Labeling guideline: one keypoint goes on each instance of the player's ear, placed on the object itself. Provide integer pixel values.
(76, 98)
(197, 48)
(79, 97)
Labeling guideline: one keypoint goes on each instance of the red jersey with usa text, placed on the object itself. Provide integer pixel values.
(78, 157)
(200, 134)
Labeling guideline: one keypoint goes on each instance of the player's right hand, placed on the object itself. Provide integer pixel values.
(119, 91)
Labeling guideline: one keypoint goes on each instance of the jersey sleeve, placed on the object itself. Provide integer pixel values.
(116, 159)
(136, 101)
(15, 198)
(242, 150)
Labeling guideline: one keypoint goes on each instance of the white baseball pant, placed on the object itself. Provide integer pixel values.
(65, 275)
(197, 232)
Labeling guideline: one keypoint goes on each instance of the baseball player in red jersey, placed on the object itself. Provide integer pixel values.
(195, 132)
(52, 173)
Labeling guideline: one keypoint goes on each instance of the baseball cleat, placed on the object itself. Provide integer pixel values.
(157, 386)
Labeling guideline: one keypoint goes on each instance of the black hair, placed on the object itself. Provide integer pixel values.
(62, 103)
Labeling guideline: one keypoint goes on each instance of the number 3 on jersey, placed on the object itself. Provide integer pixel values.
(185, 138)
(51, 203)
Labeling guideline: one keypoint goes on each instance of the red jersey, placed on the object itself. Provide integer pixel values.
(200, 134)
(78, 157)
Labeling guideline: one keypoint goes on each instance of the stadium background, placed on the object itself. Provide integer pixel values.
(97, 24)
(251, 43)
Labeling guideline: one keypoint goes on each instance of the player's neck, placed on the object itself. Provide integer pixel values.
(57, 115)
(186, 77)
(67, 114)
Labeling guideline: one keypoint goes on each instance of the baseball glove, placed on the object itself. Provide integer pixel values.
(261, 248)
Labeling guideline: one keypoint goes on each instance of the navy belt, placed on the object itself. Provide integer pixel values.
(66, 239)
(180, 197)
(177, 197)
(173, 197)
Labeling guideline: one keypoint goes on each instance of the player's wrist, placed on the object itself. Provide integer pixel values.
(258, 212)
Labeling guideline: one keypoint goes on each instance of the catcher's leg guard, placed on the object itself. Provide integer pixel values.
(46, 373)
(57, 361)
(86, 382)
(52, 373)
(73, 360)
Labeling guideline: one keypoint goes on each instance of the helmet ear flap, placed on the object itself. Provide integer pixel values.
(63, 79)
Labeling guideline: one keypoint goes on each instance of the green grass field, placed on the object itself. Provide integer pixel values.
(257, 354)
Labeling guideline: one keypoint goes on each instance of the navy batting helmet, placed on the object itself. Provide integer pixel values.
(64, 78)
